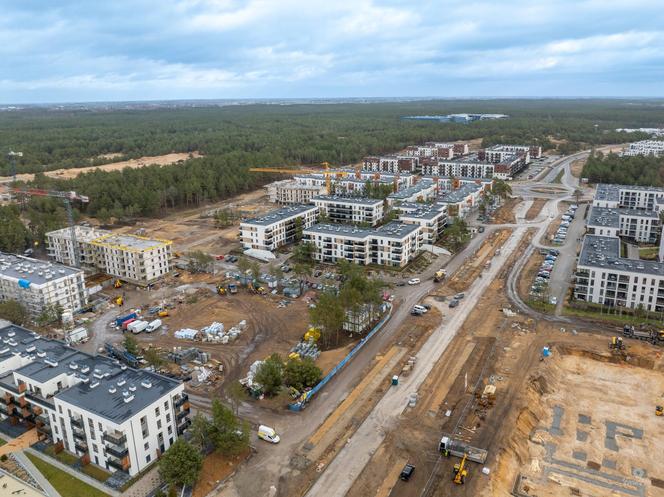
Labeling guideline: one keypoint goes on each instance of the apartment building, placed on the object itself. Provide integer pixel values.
(38, 285)
(118, 418)
(356, 183)
(277, 228)
(466, 167)
(350, 210)
(604, 277)
(448, 183)
(639, 225)
(393, 164)
(424, 191)
(629, 196)
(431, 219)
(137, 259)
(289, 192)
(394, 244)
(653, 148)
(498, 153)
(462, 201)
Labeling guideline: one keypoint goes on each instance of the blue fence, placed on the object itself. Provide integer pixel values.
(307, 396)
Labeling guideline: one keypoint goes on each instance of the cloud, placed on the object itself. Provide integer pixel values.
(269, 48)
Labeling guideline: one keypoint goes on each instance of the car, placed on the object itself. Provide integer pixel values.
(453, 303)
(317, 273)
(553, 300)
(285, 268)
(414, 281)
(420, 308)
(401, 283)
(415, 312)
(407, 472)
(426, 306)
(554, 252)
(544, 275)
(459, 296)
(480, 229)
(219, 257)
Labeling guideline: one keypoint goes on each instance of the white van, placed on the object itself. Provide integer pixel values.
(153, 325)
(268, 434)
(419, 308)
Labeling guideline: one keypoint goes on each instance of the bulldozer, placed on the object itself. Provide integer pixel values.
(460, 471)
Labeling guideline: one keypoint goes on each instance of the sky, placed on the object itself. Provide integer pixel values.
(89, 50)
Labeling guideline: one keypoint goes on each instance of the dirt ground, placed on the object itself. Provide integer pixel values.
(159, 160)
(536, 208)
(216, 467)
(576, 167)
(505, 213)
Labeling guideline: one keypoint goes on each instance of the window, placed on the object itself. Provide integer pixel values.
(94, 448)
(168, 417)
(147, 458)
(156, 411)
(159, 424)
(170, 429)
(146, 446)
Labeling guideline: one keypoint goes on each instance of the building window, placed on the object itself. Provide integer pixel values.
(159, 424)
(147, 458)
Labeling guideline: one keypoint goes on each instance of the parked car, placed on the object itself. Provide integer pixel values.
(407, 472)
(554, 252)
(414, 281)
(268, 434)
(426, 306)
(553, 300)
(459, 296)
(453, 303)
(420, 308)
(401, 283)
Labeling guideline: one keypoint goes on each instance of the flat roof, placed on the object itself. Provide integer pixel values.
(132, 243)
(611, 192)
(423, 213)
(35, 271)
(392, 229)
(603, 216)
(411, 190)
(52, 358)
(280, 214)
(83, 233)
(604, 252)
(348, 200)
(458, 195)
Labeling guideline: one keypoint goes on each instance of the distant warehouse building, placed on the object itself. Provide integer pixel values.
(394, 244)
(277, 228)
(37, 285)
(136, 259)
(350, 210)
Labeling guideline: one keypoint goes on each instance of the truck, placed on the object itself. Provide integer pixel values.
(440, 275)
(643, 333)
(153, 325)
(450, 447)
(232, 288)
(127, 323)
(137, 326)
(77, 335)
(122, 319)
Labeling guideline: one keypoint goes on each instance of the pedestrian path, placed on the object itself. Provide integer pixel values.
(19, 443)
(36, 475)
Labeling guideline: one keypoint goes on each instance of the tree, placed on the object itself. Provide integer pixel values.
(275, 271)
(130, 344)
(199, 431)
(329, 315)
(153, 358)
(229, 435)
(304, 252)
(52, 313)
(13, 311)
(301, 373)
(255, 269)
(181, 464)
(270, 374)
(302, 270)
(299, 229)
(501, 188)
(243, 265)
(14, 236)
(199, 262)
(238, 394)
(456, 236)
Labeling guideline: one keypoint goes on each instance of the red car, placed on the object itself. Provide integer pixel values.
(219, 257)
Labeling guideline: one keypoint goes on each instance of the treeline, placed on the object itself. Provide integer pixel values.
(20, 230)
(637, 170)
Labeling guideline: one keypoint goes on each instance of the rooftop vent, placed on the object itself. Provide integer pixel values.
(94, 384)
(127, 400)
(41, 354)
(132, 388)
(11, 333)
(121, 382)
(112, 389)
(31, 348)
(51, 362)
(146, 384)
(85, 369)
(73, 366)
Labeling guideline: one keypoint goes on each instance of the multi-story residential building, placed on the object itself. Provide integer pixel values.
(498, 153)
(431, 219)
(639, 225)
(629, 196)
(509, 167)
(394, 244)
(604, 277)
(118, 418)
(277, 228)
(424, 191)
(462, 201)
(466, 167)
(644, 147)
(393, 164)
(350, 210)
(38, 285)
(133, 258)
(356, 183)
(289, 191)
(448, 183)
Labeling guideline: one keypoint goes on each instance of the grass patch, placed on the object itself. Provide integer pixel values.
(63, 457)
(96, 472)
(648, 253)
(618, 319)
(66, 484)
(559, 178)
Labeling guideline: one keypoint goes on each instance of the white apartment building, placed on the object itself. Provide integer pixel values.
(289, 192)
(424, 191)
(448, 183)
(437, 149)
(604, 277)
(37, 284)
(639, 225)
(277, 228)
(355, 183)
(467, 168)
(499, 153)
(431, 219)
(629, 196)
(350, 210)
(654, 148)
(462, 201)
(133, 258)
(393, 164)
(394, 244)
(118, 418)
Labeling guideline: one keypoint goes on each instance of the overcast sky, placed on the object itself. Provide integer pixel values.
(89, 50)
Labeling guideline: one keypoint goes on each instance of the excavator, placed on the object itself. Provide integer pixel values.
(460, 471)
(117, 284)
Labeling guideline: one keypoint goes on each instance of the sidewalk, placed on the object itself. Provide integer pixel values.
(19, 443)
(34, 472)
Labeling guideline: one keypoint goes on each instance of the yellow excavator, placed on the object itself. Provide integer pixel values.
(460, 471)
(117, 284)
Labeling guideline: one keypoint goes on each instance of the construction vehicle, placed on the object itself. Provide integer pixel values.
(117, 284)
(616, 343)
(221, 289)
(644, 332)
(659, 411)
(440, 275)
(312, 334)
(119, 300)
(460, 471)
(162, 314)
(232, 288)
(450, 447)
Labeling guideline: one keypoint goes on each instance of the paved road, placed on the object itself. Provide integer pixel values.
(339, 476)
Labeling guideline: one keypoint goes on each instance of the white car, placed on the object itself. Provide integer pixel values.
(553, 300)
(268, 434)
(420, 308)
(414, 281)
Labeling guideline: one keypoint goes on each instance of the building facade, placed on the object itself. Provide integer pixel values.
(350, 210)
(289, 192)
(431, 219)
(393, 164)
(653, 148)
(118, 418)
(277, 228)
(467, 168)
(39, 285)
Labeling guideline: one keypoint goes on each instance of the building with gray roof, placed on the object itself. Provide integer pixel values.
(277, 228)
(345, 209)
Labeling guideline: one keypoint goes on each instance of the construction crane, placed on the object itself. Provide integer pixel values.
(326, 172)
(67, 198)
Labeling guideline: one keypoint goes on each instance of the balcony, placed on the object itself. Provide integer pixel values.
(7, 398)
(44, 428)
(121, 464)
(80, 434)
(81, 446)
(8, 409)
(182, 414)
(77, 422)
(116, 438)
(183, 426)
(181, 400)
(117, 452)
